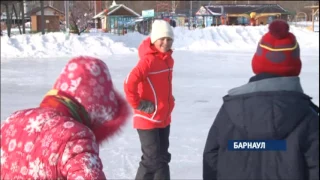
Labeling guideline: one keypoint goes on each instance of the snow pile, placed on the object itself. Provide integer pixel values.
(235, 38)
(62, 45)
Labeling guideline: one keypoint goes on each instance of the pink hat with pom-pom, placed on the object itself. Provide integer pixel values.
(278, 52)
(88, 81)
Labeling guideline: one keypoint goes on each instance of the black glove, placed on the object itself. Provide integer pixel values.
(146, 106)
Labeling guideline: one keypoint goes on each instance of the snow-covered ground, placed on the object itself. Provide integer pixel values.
(200, 80)
(216, 39)
(306, 24)
(208, 63)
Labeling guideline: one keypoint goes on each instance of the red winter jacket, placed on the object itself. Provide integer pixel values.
(151, 80)
(54, 141)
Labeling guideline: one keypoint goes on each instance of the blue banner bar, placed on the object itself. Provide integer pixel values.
(257, 145)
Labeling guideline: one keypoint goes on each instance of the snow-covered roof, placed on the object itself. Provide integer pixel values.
(99, 15)
(122, 5)
(37, 9)
(244, 8)
(113, 9)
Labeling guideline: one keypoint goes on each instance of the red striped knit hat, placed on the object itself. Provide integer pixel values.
(278, 52)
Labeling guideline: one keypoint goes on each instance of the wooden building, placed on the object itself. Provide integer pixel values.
(53, 18)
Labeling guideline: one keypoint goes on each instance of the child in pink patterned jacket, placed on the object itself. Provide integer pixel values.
(60, 138)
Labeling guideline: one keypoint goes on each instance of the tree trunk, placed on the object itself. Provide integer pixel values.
(15, 12)
(74, 21)
(9, 18)
(42, 18)
(23, 20)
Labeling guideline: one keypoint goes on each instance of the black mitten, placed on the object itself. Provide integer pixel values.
(146, 106)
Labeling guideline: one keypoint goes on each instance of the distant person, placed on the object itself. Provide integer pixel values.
(60, 138)
(271, 106)
(172, 23)
(148, 89)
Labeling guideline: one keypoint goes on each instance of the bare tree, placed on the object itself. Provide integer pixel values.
(80, 14)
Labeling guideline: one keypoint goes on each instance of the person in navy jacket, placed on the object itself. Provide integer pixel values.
(272, 106)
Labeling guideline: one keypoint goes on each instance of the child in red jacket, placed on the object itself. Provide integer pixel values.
(148, 90)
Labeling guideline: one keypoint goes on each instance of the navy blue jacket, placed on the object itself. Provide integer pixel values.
(267, 108)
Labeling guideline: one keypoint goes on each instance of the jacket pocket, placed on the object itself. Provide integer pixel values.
(148, 117)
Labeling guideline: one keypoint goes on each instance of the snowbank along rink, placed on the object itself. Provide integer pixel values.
(213, 39)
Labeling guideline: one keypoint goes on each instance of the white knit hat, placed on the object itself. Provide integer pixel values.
(160, 29)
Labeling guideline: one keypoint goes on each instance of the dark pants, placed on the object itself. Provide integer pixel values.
(154, 164)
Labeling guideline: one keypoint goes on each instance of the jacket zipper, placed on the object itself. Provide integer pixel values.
(169, 105)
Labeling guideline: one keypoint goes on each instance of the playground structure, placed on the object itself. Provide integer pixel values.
(301, 16)
(260, 15)
(240, 14)
(315, 17)
(255, 18)
(299, 20)
(262, 18)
